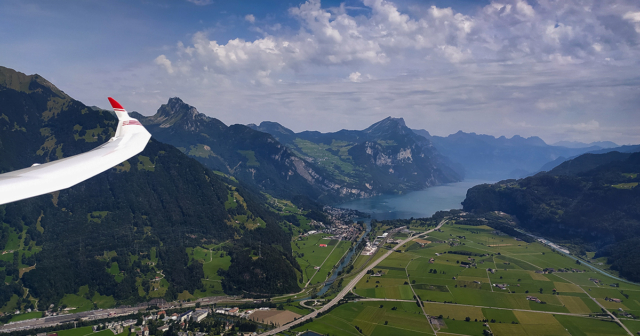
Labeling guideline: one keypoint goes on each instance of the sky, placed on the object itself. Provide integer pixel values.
(557, 69)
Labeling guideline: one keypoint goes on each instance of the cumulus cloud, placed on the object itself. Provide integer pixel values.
(561, 32)
(571, 60)
(250, 18)
(164, 62)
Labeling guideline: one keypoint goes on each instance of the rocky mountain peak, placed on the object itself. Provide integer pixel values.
(177, 111)
(175, 106)
(388, 125)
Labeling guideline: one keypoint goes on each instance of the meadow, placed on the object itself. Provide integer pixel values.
(309, 255)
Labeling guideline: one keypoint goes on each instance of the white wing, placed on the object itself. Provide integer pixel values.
(130, 139)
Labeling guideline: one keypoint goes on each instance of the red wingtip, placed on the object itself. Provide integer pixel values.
(115, 104)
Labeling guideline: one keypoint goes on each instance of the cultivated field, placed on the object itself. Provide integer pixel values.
(529, 290)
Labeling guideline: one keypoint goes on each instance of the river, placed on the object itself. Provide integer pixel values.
(417, 204)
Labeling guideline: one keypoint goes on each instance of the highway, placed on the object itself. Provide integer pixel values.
(350, 286)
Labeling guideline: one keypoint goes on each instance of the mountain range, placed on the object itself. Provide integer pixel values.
(387, 157)
(486, 157)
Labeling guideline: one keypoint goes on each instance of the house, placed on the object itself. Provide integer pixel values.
(164, 328)
(145, 331)
(234, 311)
(533, 298)
(127, 323)
(117, 329)
(323, 245)
(222, 310)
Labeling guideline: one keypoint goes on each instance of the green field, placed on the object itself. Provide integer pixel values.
(456, 292)
(82, 331)
(334, 258)
(373, 318)
(25, 316)
(309, 254)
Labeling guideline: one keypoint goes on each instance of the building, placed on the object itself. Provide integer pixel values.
(164, 328)
(199, 315)
(185, 316)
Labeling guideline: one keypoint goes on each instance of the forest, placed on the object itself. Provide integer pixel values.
(129, 224)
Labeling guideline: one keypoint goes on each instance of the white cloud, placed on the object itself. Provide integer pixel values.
(571, 61)
(355, 77)
(201, 2)
(250, 18)
(632, 16)
(165, 63)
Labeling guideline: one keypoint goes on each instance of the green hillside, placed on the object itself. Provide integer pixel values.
(593, 210)
(124, 236)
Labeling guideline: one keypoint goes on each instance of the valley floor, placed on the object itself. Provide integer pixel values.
(471, 279)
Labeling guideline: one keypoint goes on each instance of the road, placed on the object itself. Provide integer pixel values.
(350, 286)
(613, 317)
(418, 299)
(50, 321)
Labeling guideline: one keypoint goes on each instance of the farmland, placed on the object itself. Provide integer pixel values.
(472, 278)
(310, 255)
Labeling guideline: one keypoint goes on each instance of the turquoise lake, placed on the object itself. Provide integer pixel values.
(416, 204)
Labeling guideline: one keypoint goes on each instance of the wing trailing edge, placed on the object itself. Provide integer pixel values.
(130, 139)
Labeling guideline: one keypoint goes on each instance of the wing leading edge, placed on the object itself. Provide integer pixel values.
(130, 139)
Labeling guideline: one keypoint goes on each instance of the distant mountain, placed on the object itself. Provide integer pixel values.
(115, 233)
(251, 156)
(622, 149)
(386, 157)
(490, 158)
(576, 144)
(590, 202)
(587, 162)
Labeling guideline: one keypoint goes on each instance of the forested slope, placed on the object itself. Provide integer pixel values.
(129, 233)
(598, 209)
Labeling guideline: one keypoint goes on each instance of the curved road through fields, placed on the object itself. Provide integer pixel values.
(350, 286)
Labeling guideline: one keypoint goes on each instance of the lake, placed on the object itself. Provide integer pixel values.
(416, 204)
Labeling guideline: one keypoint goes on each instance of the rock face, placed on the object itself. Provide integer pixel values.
(386, 157)
(253, 157)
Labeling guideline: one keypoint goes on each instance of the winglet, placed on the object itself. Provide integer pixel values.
(120, 111)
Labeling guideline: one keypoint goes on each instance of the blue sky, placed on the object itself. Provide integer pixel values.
(562, 70)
